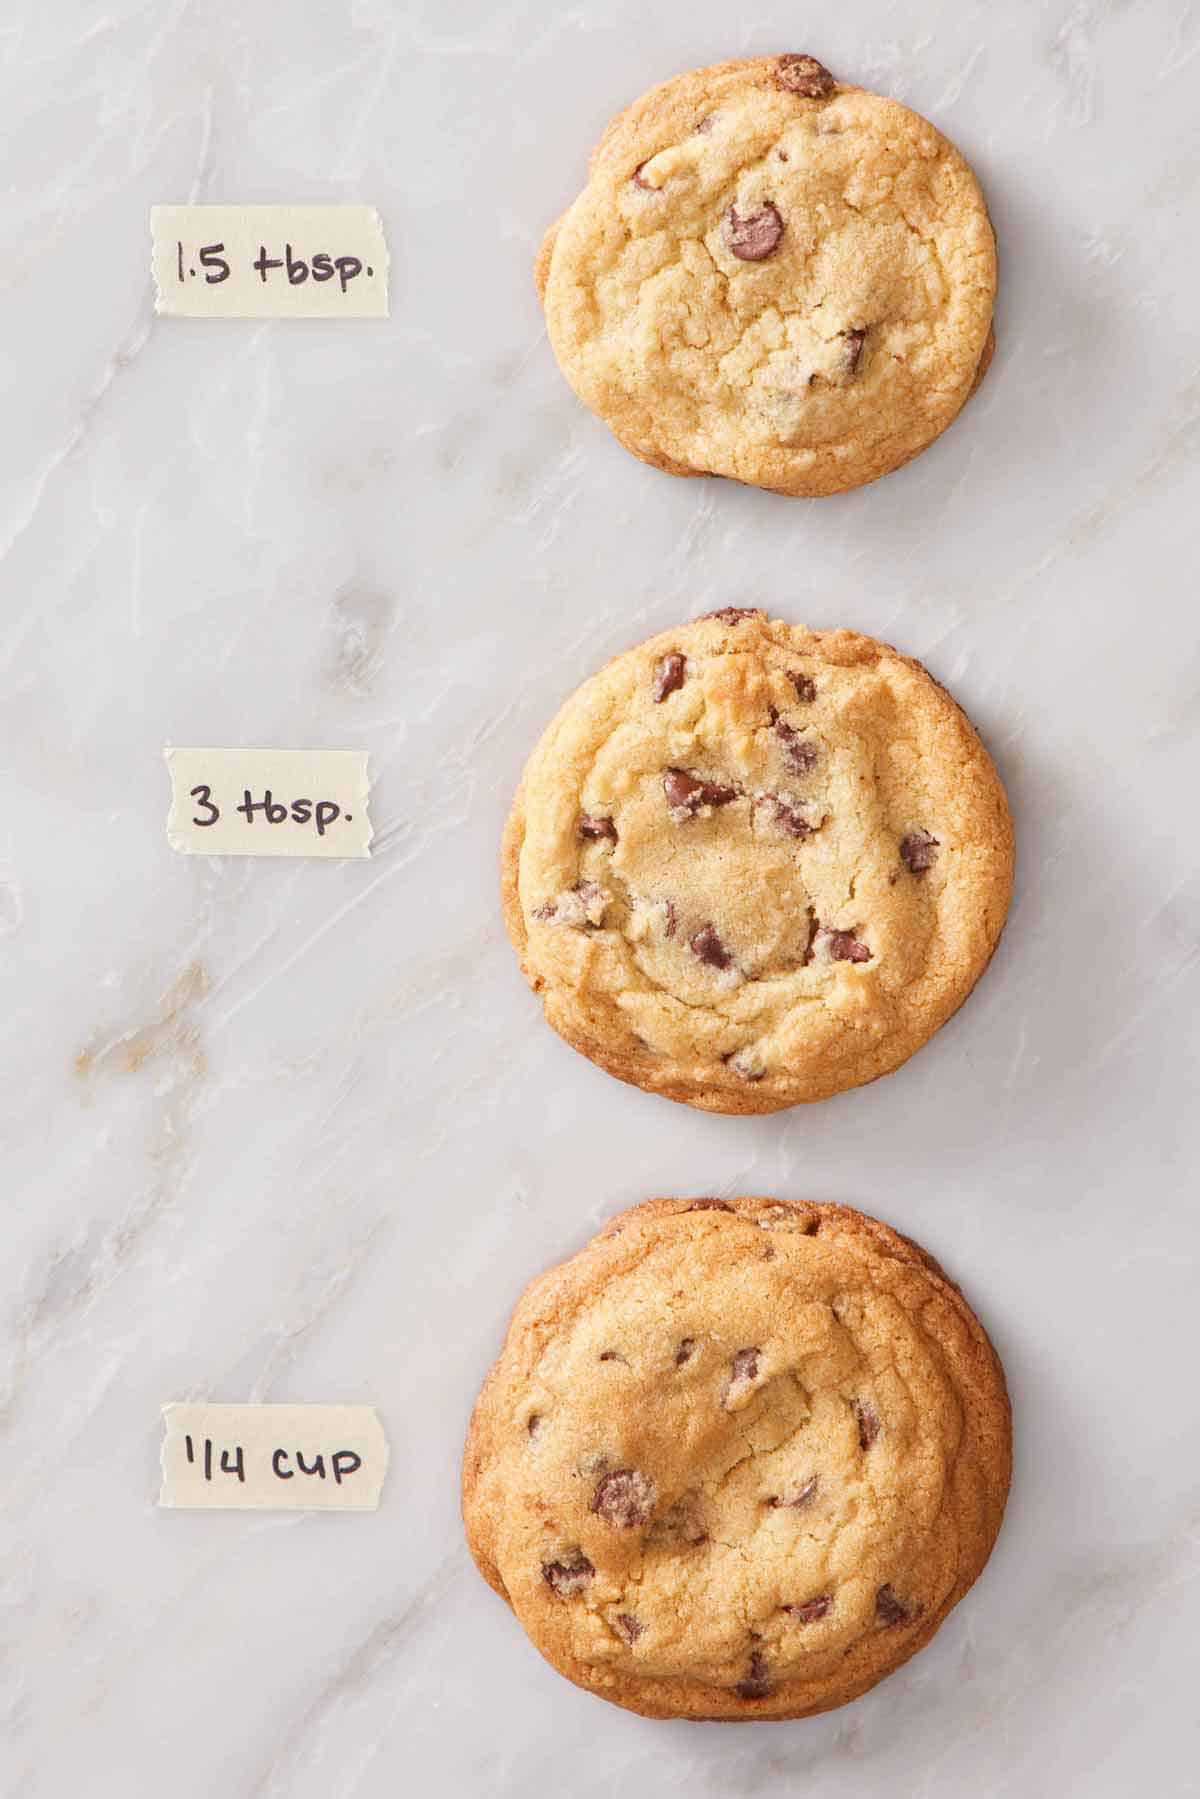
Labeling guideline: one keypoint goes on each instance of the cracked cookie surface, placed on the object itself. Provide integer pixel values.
(750, 865)
(737, 1459)
(773, 276)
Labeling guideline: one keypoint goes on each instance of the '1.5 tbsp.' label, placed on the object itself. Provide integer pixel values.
(269, 802)
(269, 262)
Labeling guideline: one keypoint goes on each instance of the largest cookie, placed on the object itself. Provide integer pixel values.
(773, 276)
(737, 1460)
(751, 865)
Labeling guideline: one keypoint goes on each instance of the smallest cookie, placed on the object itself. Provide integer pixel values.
(775, 276)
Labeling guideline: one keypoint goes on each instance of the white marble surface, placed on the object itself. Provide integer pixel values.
(296, 1131)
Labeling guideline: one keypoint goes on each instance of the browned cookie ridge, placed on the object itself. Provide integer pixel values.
(774, 276)
(751, 865)
(772, 1451)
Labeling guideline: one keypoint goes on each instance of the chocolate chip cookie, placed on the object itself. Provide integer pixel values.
(773, 276)
(750, 865)
(738, 1459)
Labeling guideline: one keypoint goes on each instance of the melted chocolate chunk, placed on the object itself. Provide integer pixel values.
(743, 1372)
(685, 794)
(854, 348)
(708, 946)
(919, 851)
(755, 235)
(685, 1352)
(575, 907)
(570, 1575)
(806, 689)
(800, 751)
(625, 1498)
(669, 676)
(805, 76)
(811, 1610)
(789, 818)
(732, 615)
(746, 1063)
(682, 1525)
(844, 946)
(890, 1609)
(630, 1627)
(868, 1423)
(756, 1684)
(597, 828)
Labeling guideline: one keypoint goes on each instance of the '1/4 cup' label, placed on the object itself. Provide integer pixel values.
(269, 802)
(269, 262)
(310, 1458)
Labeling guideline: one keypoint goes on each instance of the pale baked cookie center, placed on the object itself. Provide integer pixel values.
(719, 840)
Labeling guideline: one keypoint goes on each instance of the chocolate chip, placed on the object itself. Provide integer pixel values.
(732, 615)
(582, 905)
(682, 1524)
(743, 1372)
(918, 851)
(800, 751)
(625, 1498)
(709, 1205)
(669, 676)
(685, 1352)
(611, 1355)
(844, 946)
(685, 794)
(682, 790)
(793, 1501)
(814, 927)
(630, 1627)
(806, 689)
(672, 920)
(597, 828)
(534, 1424)
(854, 346)
(806, 76)
(755, 236)
(889, 1609)
(708, 946)
(747, 1063)
(811, 1610)
(570, 1575)
(868, 1423)
(756, 1684)
(788, 818)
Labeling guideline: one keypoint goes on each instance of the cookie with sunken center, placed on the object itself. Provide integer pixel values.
(750, 865)
(774, 276)
(737, 1459)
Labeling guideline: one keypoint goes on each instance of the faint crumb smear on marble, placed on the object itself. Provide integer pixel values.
(361, 618)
